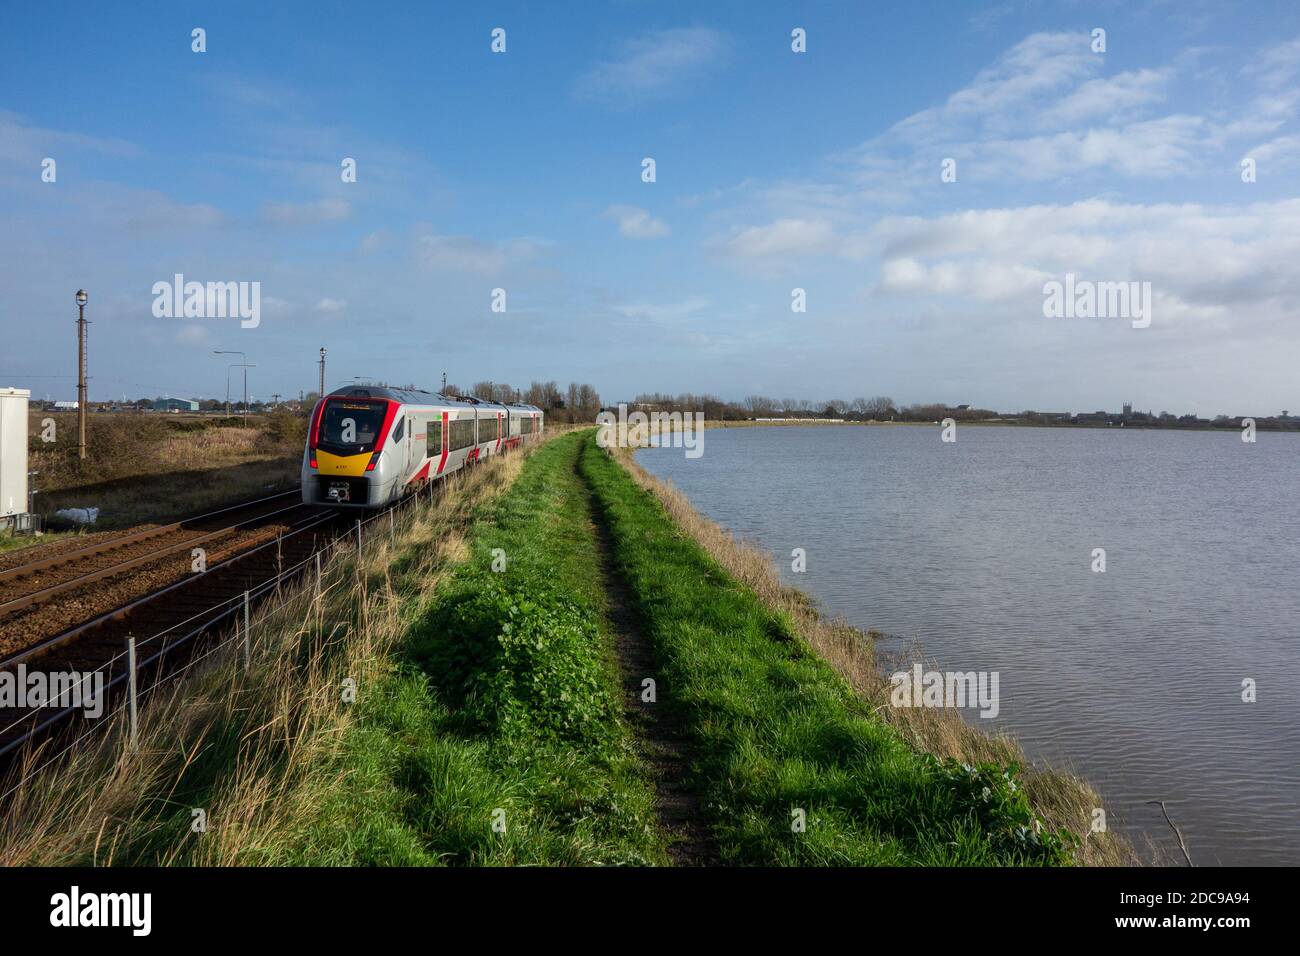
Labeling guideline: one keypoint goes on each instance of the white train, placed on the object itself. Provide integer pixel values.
(368, 445)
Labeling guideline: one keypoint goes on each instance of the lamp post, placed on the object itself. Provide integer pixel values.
(228, 368)
(245, 366)
(81, 373)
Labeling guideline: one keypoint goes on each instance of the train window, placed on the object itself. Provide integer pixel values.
(461, 434)
(400, 430)
(351, 425)
(433, 440)
(487, 430)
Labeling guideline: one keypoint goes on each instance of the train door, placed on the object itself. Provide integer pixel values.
(408, 449)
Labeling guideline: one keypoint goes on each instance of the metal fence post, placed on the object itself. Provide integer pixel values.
(358, 537)
(392, 525)
(131, 690)
(248, 640)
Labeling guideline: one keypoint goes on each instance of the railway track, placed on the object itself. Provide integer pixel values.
(149, 593)
(49, 576)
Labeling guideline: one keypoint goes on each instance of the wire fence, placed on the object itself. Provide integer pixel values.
(236, 609)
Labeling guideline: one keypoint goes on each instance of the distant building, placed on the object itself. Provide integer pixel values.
(1092, 417)
(66, 406)
(175, 405)
(1128, 409)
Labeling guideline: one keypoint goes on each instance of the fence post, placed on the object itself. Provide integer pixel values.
(318, 580)
(248, 639)
(131, 690)
(358, 537)
(392, 525)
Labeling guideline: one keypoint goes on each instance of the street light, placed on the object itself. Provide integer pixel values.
(228, 368)
(245, 366)
(81, 372)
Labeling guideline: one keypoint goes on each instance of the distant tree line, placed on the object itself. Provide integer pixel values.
(878, 408)
(580, 402)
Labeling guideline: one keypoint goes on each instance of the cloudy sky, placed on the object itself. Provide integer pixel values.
(775, 170)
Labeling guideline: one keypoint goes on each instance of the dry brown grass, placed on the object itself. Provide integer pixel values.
(223, 445)
(160, 467)
(254, 744)
(1061, 799)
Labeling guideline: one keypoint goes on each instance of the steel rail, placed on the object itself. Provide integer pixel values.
(53, 590)
(112, 544)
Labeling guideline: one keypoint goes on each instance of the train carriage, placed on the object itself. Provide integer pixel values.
(368, 445)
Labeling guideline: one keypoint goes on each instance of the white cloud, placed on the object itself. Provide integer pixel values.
(1043, 112)
(323, 210)
(24, 145)
(330, 306)
(1103, 97)
(1167, 146)
(653, 66)
(636, 223)
(1277, 66)
(784, 237)
(1227, 263)
(663, 313)
(193, 333)
(1280, 153)
(1028, 74)
(466, 254)
(372, 241)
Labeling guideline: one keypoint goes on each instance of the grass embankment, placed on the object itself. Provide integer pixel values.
(1061, 800)
(485, 727)
(154, 467)
(496, 739)
(793, 765)
(489, 723)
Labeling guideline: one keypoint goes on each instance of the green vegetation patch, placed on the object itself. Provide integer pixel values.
(497, 738)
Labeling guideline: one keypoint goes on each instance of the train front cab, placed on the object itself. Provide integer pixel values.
(345, 451)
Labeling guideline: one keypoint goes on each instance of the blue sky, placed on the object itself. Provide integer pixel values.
(775, 170)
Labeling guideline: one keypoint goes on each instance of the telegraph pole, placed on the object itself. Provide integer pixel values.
(81, 373)
(322, 372)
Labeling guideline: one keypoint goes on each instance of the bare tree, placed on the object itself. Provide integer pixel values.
(880, 407)
(571, 404)
(588, 402)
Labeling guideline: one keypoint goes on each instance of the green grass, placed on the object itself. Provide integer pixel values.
(774, 730)
(488, 727)
(504, 707)
(16, 542)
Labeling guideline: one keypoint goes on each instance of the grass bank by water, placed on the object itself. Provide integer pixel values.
(548, 665)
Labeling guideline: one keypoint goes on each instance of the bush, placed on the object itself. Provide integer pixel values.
(524, 662)
(990, 795)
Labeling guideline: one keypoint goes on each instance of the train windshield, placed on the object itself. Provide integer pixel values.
(351, 426)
